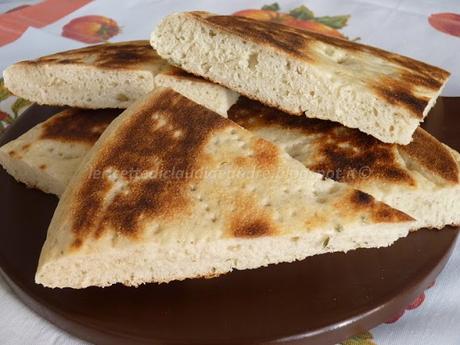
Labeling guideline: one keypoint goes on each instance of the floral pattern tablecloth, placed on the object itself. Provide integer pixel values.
(428, 30)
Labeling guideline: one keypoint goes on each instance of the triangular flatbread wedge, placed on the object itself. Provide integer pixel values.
(298, 71)
(47, 155)
(421, 178)
(173, 190)
(110, 75)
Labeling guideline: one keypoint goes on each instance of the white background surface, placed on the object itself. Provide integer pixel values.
(400, 26)
(397, 25)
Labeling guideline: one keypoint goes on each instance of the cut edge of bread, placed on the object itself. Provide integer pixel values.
(212, 96)
(296, 88)
(152, 262)
(77, 85)
(30, 175)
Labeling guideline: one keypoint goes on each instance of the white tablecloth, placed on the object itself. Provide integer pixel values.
(397, 25)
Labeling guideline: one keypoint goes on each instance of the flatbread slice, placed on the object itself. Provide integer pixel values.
(420, 179)
(173, 190)
(383, 94)
(46, 156)
(111, 75)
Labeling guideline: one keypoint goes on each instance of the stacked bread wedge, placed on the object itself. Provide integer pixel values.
(193, 180)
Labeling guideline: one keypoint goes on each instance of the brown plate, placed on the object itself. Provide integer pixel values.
(320, 300)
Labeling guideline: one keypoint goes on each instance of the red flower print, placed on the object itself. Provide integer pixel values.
(449, 23)
(3, 116)
(91, 29)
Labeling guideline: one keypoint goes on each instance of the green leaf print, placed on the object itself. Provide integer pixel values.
(302, 13)
(18, 105)
(336, 22)
(4, 93)
(273, 7)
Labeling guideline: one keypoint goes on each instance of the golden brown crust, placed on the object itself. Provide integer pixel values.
(432, 156)
(265, 156)
(381, 213)
(251, 229)
(396, 89)
(78, 125)
(165, 121)
(397, 93)
(351, 156)
(148, 169)
(250, 220)
(123, 55)
(287, 39)
(343, 154)
(348, 155)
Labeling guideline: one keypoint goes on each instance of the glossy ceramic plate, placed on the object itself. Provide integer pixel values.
(320, 300)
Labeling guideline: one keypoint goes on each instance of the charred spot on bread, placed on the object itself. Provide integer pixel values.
(361, 198)
(432, 156)
(78, 125)
(139, 144)
(252, 228)
(399, 88)
(343, 154)
(397, 93)
(120, 55)
(285, 38)
(379, 212)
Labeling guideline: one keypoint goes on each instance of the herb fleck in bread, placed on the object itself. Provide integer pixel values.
(383, 94)
(243, 203)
